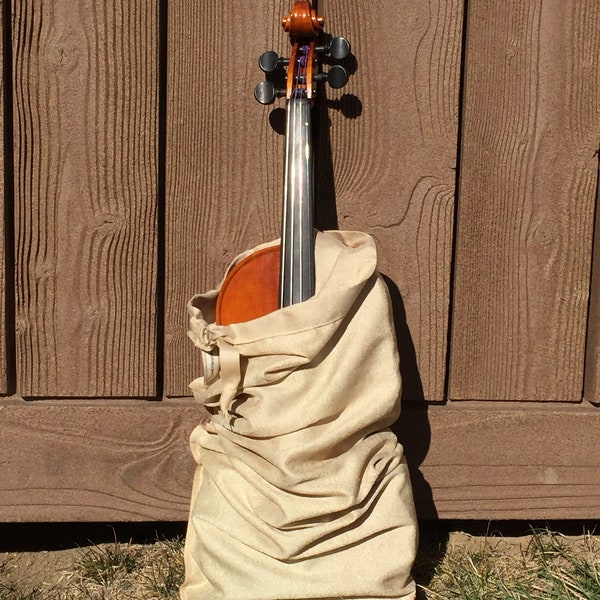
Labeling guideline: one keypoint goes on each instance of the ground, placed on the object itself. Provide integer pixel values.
(468, 560)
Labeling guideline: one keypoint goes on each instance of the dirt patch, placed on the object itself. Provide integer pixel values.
(37, 569)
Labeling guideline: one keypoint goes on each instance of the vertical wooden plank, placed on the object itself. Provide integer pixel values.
(394, 164)
(85, 120)
(223, 158)
(393, 133)
(527, 194)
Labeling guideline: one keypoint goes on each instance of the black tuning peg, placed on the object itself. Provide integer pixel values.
(338, 48)
(265, 92)
(269, 61)
(336, 77)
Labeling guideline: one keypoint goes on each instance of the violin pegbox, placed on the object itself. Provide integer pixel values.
(298, 75)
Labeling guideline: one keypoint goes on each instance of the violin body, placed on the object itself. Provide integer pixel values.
(279, 276)
(251, 288)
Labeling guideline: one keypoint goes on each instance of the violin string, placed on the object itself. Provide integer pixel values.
(301, 72)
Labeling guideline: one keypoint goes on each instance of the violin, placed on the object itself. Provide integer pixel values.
(284, 274)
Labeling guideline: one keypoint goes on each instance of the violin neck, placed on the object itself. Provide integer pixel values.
(297, 271)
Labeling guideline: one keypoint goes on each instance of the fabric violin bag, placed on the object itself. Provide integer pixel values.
(301, 490)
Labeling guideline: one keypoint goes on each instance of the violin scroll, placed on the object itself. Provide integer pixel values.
(302, 21)
(303, 70)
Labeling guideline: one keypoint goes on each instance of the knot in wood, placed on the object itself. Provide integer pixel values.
(64, 53)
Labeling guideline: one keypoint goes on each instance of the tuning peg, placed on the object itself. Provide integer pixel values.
(336, 77)
(265, 92)
(338, 48)
(269, 61)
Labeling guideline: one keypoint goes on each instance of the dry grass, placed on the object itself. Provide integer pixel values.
(115, 571)
(540, 566)
(545, 566)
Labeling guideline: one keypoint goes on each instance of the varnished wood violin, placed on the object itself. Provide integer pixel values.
(281, 275)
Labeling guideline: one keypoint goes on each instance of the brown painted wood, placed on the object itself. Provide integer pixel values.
(393, 136)
(85, 106)
(129, 460)
(224, 164)
(393, 165)
(487, 460)
(95, 461)
(527, 196)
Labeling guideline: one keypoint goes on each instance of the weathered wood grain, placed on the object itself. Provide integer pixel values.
(393, 135)
(394, 164)
(223, 158)
(95, 461)
(129, 460)
(497, 462)
(527, 197)
(85, 122)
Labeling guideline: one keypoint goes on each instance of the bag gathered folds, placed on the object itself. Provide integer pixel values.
(301, 489)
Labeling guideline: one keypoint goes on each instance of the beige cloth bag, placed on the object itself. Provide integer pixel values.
(301, 491)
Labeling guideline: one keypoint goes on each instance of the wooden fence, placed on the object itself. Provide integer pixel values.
(137, 165)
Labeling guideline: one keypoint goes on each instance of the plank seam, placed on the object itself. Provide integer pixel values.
(459, 137)
(592, 285)
(9, 196)
(161, 217)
